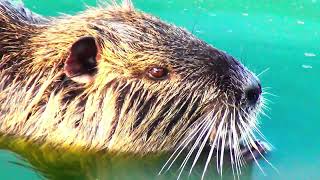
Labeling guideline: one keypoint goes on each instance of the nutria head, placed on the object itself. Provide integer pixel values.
(118, 79)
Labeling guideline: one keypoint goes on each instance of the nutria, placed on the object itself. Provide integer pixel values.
(114, 78)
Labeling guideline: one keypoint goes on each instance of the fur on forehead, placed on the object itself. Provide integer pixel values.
(126, 4)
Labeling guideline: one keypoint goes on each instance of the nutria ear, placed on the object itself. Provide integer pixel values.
(81, 63)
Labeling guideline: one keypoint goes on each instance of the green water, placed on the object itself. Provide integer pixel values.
(283, 36)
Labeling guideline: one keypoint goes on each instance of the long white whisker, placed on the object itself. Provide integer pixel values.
(232, 158)
(266, 87)
(243, 129)
(268, 100)
(213, 145)
(225, 131)
(206, 127)
(203, 143)
(266, 107)
(262, 136)
(251, 138)
(267, 69)
(263, 113)
(236, 146)
(267, 93)
(232, 154)
(184, 143)
(218, 147)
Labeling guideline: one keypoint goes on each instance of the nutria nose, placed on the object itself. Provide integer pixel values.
(253, 93)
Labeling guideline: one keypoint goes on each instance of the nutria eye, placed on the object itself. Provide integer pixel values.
(158, 73)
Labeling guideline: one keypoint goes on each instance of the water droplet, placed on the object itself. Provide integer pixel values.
(308, 54)
(306, 66)
(212, 14)
(245, 14)
(229, 31)
(300, 22)
(199, 31)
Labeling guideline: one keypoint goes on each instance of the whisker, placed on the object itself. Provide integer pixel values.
(184, 143)
(263, 113)
(267, 93)
(265, 70)
(182, 166)
(251, 138)
(243, 129)
(203, 144)
(225, 131)
(218, 147)
(261, 135)
(232, 149)
(266, 87)
(239, 159)
(267, 100)
(264, 107)
(213, 145)
(231, 154)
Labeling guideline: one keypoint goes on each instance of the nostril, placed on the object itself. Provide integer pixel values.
(253, 94)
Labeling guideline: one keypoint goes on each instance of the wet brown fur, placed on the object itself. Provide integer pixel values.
(38, 101)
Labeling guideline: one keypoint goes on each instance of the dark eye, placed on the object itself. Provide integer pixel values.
(158, 73)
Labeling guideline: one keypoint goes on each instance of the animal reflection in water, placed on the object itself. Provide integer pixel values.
(59, 164)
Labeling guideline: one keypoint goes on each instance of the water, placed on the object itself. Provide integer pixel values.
(281, 36)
